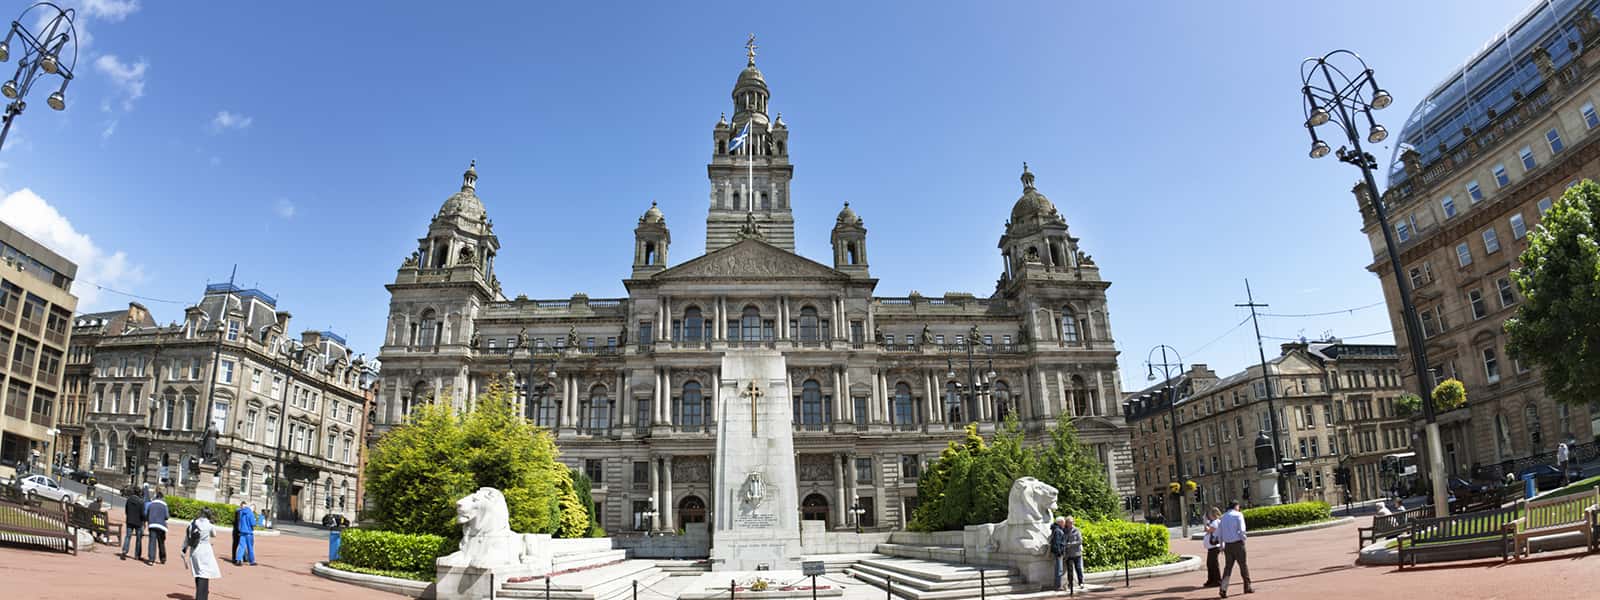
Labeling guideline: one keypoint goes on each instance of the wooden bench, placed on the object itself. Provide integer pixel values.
(96, 522)
(1383, 527)
(1549, 516)
(44, 525)
(1457, 534)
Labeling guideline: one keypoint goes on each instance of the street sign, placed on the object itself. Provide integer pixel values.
(811, 568)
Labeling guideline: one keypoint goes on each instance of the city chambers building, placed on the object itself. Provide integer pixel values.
(881, 385)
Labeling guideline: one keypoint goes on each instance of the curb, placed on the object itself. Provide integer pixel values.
(1189, 563)
(1296, 529)
(395, 585)
(225, 529)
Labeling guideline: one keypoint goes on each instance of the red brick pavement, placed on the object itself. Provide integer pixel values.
(1320, 564)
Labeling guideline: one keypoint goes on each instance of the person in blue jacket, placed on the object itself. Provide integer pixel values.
(244, 524)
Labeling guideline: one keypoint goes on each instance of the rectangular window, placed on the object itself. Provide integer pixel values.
(1544, 206)
(1403, 231)
(645, 332)
(1449, 206)
(1463, 254)
(910, 467)
(233, 331)
(641, 473)
(1479, 310)
(1508, 296)
(1491, 241)
(863, 471)
(1474, 192)
(225, 372)
(1421, 275)
(255, 380)
(1491, 366)
(1526, 154)
(1518, 227)
(593, 468)
(1314, 452)
(1554, 137)
(250, 425)
(1501, 179)
(860, 408)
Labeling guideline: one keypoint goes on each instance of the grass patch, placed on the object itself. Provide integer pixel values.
(1275, 527)
(1154, 561)
(1576, 487)
(412, 575)
(27, 519)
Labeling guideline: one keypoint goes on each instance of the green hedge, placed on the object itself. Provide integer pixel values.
(390, 551)
(412, 575)
(1106, 542)
(189, 508)
(1286, 515)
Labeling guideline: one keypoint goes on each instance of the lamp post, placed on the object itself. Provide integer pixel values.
(1171, 366)
(1343, 101)
(542, 389)
(856, 511)
(974, 390)
(41, 55)
(650, 517)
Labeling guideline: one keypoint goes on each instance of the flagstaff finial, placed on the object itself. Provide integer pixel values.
(750, 49)
(1027, 177)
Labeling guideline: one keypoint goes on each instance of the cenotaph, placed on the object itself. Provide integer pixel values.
(756, 512)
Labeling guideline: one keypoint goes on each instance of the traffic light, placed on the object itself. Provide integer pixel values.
(1286, 468)
(1197, 493)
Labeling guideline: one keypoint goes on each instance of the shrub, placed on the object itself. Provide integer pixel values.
(1286, 515)
(412, 575)
(188, 509)
(390, 551)
(1106, 542)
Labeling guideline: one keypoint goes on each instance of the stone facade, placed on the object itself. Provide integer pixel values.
(1462, 202)
(273, 399)
(1336, 406)
(880, 384)
(36, 305)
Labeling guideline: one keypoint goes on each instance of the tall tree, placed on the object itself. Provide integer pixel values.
(1077, 474)
(1555, 328)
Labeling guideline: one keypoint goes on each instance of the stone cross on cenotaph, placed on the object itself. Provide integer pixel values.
(753, 391)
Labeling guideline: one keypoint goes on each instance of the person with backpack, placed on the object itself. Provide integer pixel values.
(1058, 546)
(244, 526)
(133, 524)
(156, 518)
(201, 557)
(1213, 547)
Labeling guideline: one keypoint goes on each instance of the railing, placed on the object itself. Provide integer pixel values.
(899, 347)
(32, 326)
(21, 368)
(8, 315)
(1579, 453)
(39, 418)
(15, 408)
(55, 337)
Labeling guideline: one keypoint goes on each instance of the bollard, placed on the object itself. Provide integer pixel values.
(1125, 579)
(635, 589)
(733, 588)
(547, 577)
(889, 590)
(982, 585)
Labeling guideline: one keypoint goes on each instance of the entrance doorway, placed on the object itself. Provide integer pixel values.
(691, 510)
(814, 508)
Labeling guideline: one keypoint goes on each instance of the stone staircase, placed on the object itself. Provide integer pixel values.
(919, 579)
(589, 570)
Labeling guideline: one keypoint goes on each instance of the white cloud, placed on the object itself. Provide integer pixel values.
(110, 130)
(284, 208)
(128, 78)
(32, 215)
(226, 120)
(110, 10)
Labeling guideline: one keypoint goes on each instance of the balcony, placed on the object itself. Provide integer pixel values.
(8, 315)
(58, 338)
(32, 326)
(21, 368)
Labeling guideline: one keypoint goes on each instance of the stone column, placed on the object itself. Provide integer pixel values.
(716, 399)
(655, 490)
(1043, 397)
(844, 402)
(1100, 395)
(666, 478)
(935, 412)
(850, 484)
(655, 399)
(621, 400)
(666, 398)
(836, 415)
(1065, 402)
(842, 502)
(882, 501)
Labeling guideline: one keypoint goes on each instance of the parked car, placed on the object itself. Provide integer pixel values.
(1546, 476)
(331, 520)
(42, 486)
(1467, 495)
(82, 476)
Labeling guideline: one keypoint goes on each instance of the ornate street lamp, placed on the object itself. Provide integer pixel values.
(1331, 94)
(1171, 366)
(856, 511)
(40, 56)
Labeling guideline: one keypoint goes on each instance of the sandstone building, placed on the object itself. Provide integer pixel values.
(36, 305)
(882, 384)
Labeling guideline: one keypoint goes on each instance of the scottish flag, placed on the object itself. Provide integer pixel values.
(738, 141)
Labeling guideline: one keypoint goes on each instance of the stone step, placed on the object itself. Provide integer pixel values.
(939, 553)
(683, 567)
(579, 545)
(935, 571)
(990, 579)
(567, 562)
(603, 583)
(837, 563)
(970, 591)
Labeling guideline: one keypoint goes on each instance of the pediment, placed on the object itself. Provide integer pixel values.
(750, 259)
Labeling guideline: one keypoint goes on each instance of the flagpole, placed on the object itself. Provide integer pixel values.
(750, 165)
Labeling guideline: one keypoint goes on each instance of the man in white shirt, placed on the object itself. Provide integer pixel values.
(1231, 532)
(1563, 454)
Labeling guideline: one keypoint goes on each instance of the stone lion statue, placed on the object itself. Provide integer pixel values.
(1031, 501)
(1026, 529)
(486, 537)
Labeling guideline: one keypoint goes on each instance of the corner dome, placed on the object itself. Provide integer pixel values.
(653, 215)
(848, 216)
(1032, 204)
(465, 203)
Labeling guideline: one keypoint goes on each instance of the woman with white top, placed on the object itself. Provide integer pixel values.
(1213, 548)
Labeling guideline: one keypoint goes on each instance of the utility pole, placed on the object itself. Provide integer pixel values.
(216, 355)
(1266, 379)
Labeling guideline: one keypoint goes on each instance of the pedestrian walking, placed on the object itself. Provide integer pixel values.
(238, 514)
(1563, 456)
(133, 524)
(1213, 548)
(202, 560)
(1058, 546)
(156, 518)
(1074, 555)
(244, 524)
(1231, 532)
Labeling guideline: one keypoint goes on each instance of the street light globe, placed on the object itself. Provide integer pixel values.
(991, 374)
(1318, 117)
(9, 89)
(57, 101)
(49, 64)
(5, 51)
(950, 374)
(1377, 134)
(1319, 149)
(1382, 99)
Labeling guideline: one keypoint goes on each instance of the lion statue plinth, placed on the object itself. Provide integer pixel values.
(1026, 529)
(487, 540)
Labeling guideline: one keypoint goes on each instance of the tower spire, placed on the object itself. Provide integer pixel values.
(750, 49)
(1027, 177)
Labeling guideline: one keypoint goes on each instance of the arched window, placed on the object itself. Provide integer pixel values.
(549, 415)
(691, 510)
(750, 324)
(244, 479)
(905, 414)
(649, 253)
(428, 329)
(169, 407)
(111, 451)
(1069, 325)
(952, 402)
(809, 324)
(1002, 400)
(851, 255)
(694, 325)
(344, 492)
(814, 508)
(811, 410)
(766, 201)
(599, 411)
(95, 449)
(736, 200)
(1530, 419)
(691, 407)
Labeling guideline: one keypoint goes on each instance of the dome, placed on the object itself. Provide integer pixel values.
(653, 215)
(1032, 203)
(848, 216)
(465, 203)
(751, 76)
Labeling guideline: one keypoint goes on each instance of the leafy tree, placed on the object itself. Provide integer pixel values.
(1555, 328)
(1077, 473)
(419, 469)
(584, 487)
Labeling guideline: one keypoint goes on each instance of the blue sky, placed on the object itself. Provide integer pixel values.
(310, 142)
